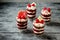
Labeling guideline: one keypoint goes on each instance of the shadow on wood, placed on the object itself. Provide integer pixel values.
(47, 37)
(53, 24)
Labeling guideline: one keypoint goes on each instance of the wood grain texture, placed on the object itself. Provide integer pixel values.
(9, 30)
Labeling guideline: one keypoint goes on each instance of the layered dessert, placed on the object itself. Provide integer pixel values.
(31, 10)
(46, 14)
(38, 26)
(22, 19)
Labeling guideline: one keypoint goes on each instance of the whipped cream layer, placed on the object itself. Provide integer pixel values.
(31, 8)
(31, 15)
(30, 11)
(45, 12)
(46, 19)
(39, 24)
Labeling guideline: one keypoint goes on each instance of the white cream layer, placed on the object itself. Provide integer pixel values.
(21, 20)
(31, 8)
(30, 15)
(30, 12)
(46, 19)
(45, 12)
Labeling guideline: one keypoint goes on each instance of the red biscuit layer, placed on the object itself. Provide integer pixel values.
(37, 30)
(31, 13)
(46, 15)
(22, 22)
(46, 18)
(31, 10)
(22, 28)
(38, 33)
(19, 24)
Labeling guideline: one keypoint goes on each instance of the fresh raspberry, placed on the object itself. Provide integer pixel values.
(44, 8)
(19, 14)
(22, 14)
(33, 4)
(42, 21)
(49, 9)
(23, 17)
(37, 21)
(29, 5)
